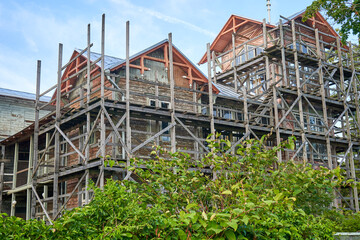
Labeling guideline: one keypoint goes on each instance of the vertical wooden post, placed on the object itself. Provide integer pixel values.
(57, 136)
(211, 103)
(2, 165)
(234, 61)
(46, 169)
(356, 97)
(214, 66)
(323, 100)
(36, 138)
(127, 93)
(299, 90)
(267, 64)
(16, 160)
(172, 95)
(276, 115)
(283, 60)
(196, 144)
(102, 115)
(157, 105)
(88, 116)
(29, 178)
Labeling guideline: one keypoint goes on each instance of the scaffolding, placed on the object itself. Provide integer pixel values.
(284, 81)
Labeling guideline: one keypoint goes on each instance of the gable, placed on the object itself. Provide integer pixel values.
(244, 28)
(319, 22)
(157, 53)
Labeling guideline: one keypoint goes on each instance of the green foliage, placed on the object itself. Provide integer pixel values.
(343, 12)
(252, 197)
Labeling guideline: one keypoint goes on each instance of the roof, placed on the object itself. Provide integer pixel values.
(109, 61)
(226, 91)
(114, 62)
(22, 95)
(233, 24)
(318, 21)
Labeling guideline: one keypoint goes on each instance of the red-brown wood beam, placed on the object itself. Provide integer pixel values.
(142, 69)
(237, 26)
(154, 59)
(190, 76)
(166, 57)
(139, 67)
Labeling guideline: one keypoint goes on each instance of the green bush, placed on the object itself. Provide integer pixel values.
(251, 197)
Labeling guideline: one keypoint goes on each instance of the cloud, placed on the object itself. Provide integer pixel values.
(163, 17)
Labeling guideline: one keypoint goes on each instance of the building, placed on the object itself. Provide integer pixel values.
(294, 78)
(17, 111)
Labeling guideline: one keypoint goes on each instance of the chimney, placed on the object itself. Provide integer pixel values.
(268, 10)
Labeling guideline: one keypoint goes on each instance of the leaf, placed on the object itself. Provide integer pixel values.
(269, 202)
(227, 192)
(278, 196)
(191, 205)
(230, 235)
(212, 217)
(233, 224)
(204, 215)
(245, 219)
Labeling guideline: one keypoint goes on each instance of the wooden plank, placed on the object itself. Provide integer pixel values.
(57, 135)
(127, 96)
(102, 95)
(69, 197)
(41, 204)
(14, 180)
(172, 95)
(298, 86)
(36, 137)
(2, 164)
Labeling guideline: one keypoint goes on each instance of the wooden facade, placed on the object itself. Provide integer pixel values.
(292, 79)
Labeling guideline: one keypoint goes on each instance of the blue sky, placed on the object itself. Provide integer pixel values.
(32, 30)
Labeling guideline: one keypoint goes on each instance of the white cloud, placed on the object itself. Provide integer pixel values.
(163, 17)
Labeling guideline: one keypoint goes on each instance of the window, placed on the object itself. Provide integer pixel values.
(300, 47)
(92, 139)
(316, 124)
(162, 104)
(163, 125)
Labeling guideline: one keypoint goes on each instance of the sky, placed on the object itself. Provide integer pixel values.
(32, 30)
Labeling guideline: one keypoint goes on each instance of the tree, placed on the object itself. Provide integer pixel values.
(177, 198)
(343, 12)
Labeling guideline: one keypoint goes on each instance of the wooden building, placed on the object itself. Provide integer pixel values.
(17, 111)
(294, 78)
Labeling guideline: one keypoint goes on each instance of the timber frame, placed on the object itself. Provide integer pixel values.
(280, 90)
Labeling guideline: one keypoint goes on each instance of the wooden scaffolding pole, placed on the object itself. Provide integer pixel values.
(88, 116)
(234, 61)
(36, 139)
(46, 169)
(57, 136)
(14, 180)
(299, 90)
(2, 168)
(276, 114)
(211, 103)
(356, 97)
(347, 121)
(172, 95)
(283, 60)
(102, 116)
(323, 98)
(127, 97)
(29, 178)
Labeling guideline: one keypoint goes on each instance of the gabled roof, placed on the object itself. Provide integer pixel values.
(114, 63)
(232, 25)
(109, 61)
(318, 21)
(22, 95)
